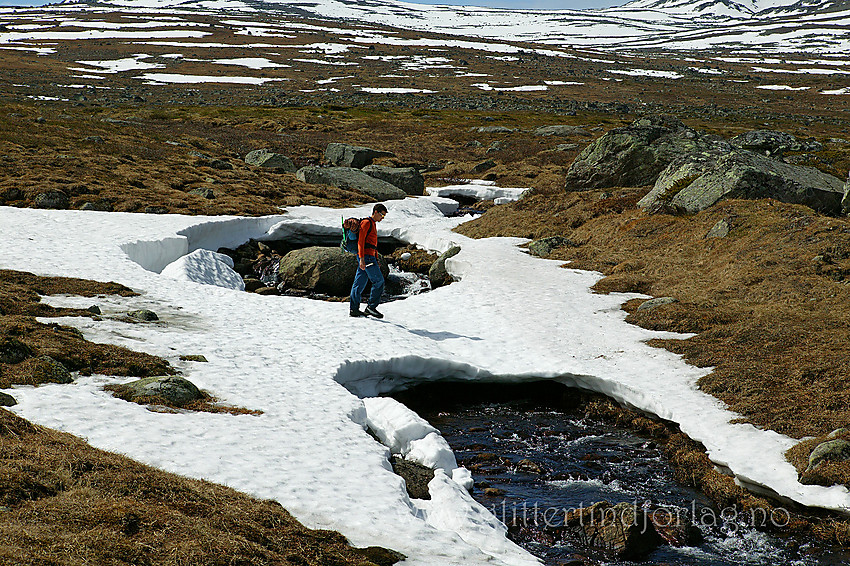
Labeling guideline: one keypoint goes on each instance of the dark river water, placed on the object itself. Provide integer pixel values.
(532, 460)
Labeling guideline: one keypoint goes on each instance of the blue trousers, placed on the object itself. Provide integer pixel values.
(371, 273)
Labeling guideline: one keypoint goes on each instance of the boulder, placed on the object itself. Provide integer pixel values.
(561, 131)
(352, 179)
(344, 155)
(697, 181)
(172, 389)
(831, 450)
(321, 270)
(144, 315)
(437, 274)
(13, 351)
(544, 246)
(484, 166)
(634, 156)
(45, 369)
(7, 400)
(773, 144)
(270, 160)
(52, 199)
(622, 529)
(408, 179)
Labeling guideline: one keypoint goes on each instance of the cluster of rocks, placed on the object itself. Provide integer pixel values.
(324, 271)
(352, 168)
(691, 170)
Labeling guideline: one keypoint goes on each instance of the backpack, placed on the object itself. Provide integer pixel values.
(350, 233)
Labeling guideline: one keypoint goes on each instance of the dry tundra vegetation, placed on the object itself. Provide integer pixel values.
(769, 304)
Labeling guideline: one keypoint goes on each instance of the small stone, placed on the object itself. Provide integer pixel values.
(221, 164)
(839, 432)
(720, 229)
(94, 309)
(156, 210)
(193, 358)
(493, 491)
(143, 314)
(529, 467)
(657, 302)
(93, 139)
(205, 192)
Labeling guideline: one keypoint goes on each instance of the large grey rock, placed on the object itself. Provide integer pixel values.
(7, 400)
(634, 156)
(695, 182)
(321, 270)
(773, 144)
(408, 179)
(344, 155)
(561, 131)
(350, 178)
(174, 390)
(832, 450)
(437, 274)
(270, 160)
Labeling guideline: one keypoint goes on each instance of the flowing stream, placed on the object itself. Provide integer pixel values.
(532, 459)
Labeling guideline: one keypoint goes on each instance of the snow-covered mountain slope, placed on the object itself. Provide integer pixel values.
(780, 25)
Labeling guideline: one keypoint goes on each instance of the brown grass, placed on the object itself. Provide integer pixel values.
(66, 503)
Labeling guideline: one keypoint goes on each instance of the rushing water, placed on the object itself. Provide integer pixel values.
(531, 462)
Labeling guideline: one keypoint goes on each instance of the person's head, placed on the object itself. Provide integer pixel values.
(378, 212)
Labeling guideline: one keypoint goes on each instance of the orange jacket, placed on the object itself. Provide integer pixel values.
(367, 238)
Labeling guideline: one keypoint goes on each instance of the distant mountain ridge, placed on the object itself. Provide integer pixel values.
(821, 26)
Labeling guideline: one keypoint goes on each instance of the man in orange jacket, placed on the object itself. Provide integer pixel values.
(367, 265)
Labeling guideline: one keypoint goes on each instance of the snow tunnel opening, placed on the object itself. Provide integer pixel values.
(535, 451)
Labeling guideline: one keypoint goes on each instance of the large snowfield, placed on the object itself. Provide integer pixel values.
(308, 367)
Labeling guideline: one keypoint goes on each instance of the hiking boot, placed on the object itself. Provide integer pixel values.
(353, 313)
(372, 311)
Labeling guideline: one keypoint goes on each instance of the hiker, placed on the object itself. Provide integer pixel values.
(367, 265)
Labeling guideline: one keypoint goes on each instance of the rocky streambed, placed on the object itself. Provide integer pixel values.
(574, 488)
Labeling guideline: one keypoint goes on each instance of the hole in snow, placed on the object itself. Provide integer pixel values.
(533, 451)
